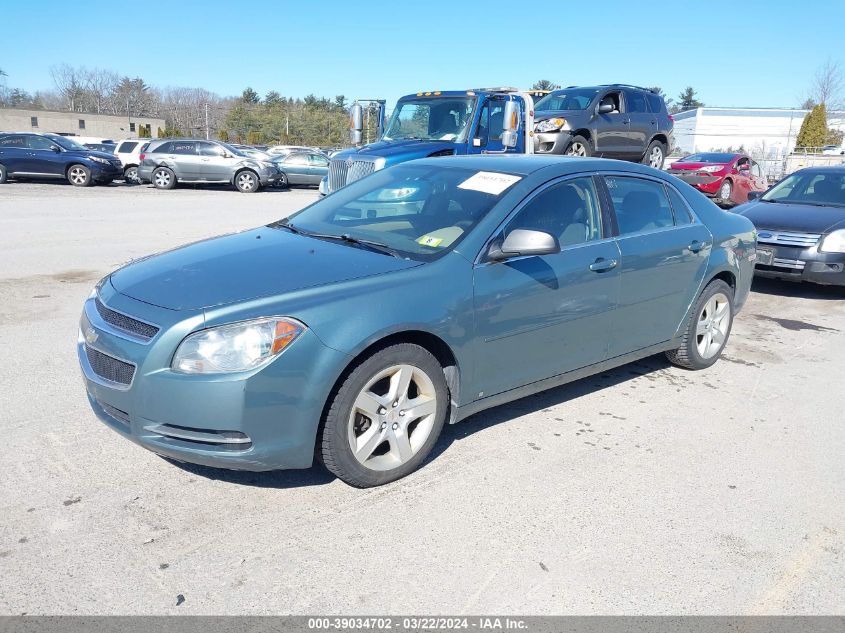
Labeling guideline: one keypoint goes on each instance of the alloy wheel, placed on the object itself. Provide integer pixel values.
(712, 326)
(162, 178)
(725, 191)
(392, 417)
(131, 174)
(77, 175)
(246, 181)
(655, 159)
(576, 149)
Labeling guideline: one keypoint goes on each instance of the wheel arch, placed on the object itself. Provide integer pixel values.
(240, 170)
(585, 132)
(660, 137)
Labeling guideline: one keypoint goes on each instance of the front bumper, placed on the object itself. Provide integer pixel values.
(269, 177)
(265, 419)
(802, 264)
(551, 142)
(100, 172)
(708, 185)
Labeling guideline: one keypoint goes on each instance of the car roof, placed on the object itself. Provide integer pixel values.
(524, 165)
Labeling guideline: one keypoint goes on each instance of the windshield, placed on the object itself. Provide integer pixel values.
(65, 143)
(419, 211)
(825, 189)
(233, 150)
(435, 118)
(707, 157)
(573, 99)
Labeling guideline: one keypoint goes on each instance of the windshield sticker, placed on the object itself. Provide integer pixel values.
(489, 182)
(430, 240)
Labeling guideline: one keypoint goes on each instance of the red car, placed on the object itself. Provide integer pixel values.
(728, 178)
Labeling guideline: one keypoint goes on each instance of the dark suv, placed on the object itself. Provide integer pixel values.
(52, 156)
(611, 121)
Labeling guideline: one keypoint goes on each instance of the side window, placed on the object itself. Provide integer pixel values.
(297, 159)
(39, 142)
(613, 98)
(655, 103)
(755, 170)
(568, 210)
(741, 162)
(640, 205)
(635, 101)
(209, 149)
(184, 147)
(13, 141)
(680, 207)
(318, 161)
(126, 147)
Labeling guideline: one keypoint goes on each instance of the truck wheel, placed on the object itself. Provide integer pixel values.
(386, 417)
(79, 175)
(655, 155)
(247, 181)
(163, 178)
(4, 176)
(709, 327)
(579, 146)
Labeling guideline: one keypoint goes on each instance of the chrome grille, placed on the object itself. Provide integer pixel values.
(132, 326)
(109, 368)
(786, 238)
(342, 172)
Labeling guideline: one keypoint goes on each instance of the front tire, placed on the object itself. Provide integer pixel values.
(79, 175)
(247, 181)
(709, 327)
(282, 181)
(655, 155)
(4, 175)
(579, 146)
(130, 175)
(386, 417)
(725, 192)
(163, 178)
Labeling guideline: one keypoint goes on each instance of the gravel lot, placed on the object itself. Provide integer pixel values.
(647, 489)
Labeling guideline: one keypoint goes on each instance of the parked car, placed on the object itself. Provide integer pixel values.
(301, 168)
(108, 148)
(255, 153)
(282, 150)
(29, 155)
(418, 295)
(613, 121)
(129, 152)
(168, 162)
(727, 177)
(833, 150)
(801, 226)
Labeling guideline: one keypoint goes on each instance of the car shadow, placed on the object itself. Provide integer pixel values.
(799, 290)
(317, 475)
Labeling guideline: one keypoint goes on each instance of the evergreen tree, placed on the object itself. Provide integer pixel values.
(687, 100)
(813, 133)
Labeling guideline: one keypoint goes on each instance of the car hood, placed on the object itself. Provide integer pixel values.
(802, 218)
(249, 265)
(94, 152)
(394, 151)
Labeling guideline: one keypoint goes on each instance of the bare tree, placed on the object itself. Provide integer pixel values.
(828, 84)
(98, 87)
(68, 81)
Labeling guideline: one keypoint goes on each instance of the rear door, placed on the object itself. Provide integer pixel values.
(14, 153)
(664, 253)
(642, 125)
(540, 316)
(318, 167)
(296, 168)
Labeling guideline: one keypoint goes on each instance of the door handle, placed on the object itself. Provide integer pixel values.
(601, 265)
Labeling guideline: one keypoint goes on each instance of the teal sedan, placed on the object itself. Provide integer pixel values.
(412, 298)
(301, 168)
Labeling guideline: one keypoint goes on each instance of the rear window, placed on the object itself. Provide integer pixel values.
(655, 102)
(636, 101)
(183, 147)
(126, 147)
(13, 141)
(164, 148)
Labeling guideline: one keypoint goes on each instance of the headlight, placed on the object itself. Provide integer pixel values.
(551, 125)
(99, 160)
(236, 347)
(834, 242)
(711, 169)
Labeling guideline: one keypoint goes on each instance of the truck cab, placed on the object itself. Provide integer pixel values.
(439, 123)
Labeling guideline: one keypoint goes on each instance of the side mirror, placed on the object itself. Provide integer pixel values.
(55, 148)
(356, 123)
(753, 195)
(605, 108)
(510, 124)
(744, 167)
(523, 242)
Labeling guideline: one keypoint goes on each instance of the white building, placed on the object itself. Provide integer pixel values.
(767, 134)
(78, 123)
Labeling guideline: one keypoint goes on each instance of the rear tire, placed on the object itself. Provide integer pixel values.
(725, 192)
(4, 175)
(163, 178)
(579, 146)
(78, 175)
(367, 412)
(708, 329)
(247, 181)
(655, 155)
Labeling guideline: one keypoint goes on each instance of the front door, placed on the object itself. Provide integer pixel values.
(43, 159)
(611, 128)
(664, 257)
(214, 163)
(540, 316)
(487, 135)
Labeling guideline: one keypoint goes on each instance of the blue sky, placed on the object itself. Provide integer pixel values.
(735, 53)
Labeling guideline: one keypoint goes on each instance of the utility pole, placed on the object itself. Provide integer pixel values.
(206, 121)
